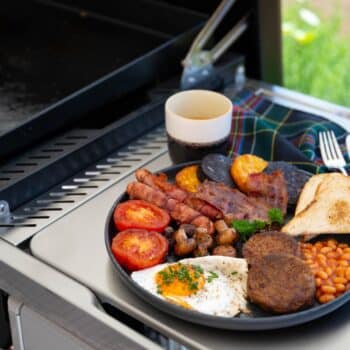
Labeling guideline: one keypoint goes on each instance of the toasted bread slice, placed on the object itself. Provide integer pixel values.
(308, 192)
(327, 212)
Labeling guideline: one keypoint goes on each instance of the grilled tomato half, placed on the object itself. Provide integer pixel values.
(137, 249)
(140, 214)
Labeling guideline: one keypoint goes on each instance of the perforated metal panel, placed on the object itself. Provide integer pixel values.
(41, 211)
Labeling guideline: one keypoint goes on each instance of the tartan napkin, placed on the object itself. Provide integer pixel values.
(275, 132)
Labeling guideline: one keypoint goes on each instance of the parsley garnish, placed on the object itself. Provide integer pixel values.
(234, 273)
(184, 273)
(246, 228)
(193, 286)
(275, 215)
(212, 276)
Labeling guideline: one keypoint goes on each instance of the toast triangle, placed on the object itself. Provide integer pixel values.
(327, 212)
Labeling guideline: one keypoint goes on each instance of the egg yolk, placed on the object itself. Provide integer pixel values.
(180, 280)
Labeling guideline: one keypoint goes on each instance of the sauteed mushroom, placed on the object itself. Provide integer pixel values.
(226, 235)
(184, 245)
(225, 250)
(204, 242)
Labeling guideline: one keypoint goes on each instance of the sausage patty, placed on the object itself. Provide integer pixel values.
(281, 283)
(271, 242)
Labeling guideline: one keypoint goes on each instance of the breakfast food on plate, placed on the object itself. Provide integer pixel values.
(211, 223)
(330, 264)
(232, 201)
(281, 283)
(328, 211)
(270, 188)
(159, 182)
(187, 178)
(140, 214)
(308, 192)
(294, 177)
(270, 243)
(216, 167)
(180, 212)
(214, 285)
(245, 165)
(136, 249)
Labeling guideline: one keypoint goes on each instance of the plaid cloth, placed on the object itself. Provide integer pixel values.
(275, 132)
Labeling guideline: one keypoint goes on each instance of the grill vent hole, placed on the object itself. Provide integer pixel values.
(65, 143)
(19, 171)
(76, 137)
(26, 164)
(52, 150)
(40, 157)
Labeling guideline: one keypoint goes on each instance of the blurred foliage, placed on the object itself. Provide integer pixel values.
(316, 57)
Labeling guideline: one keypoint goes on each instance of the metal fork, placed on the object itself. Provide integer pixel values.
(330, 151)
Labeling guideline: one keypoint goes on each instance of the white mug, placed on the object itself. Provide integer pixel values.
(197, 122)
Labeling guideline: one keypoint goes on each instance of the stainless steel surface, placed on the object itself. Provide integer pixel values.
(98, 275)
(208, 29)
(37, 332)
(14, 309)
(330, 152)
(297, 100)
(198, 63)
(44, 210)
(220, 48)
(347, 142)
(64, 302)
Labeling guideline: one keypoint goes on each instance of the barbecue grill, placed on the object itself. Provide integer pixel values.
(82, 90)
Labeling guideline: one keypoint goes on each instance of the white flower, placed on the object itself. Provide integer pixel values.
(309, 17)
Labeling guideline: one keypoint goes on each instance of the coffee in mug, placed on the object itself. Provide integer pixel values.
(197, 122)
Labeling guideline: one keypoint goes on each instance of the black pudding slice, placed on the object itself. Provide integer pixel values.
(217, 168)
(295, 178)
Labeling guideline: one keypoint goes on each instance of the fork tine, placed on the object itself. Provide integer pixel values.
(331, 145)
(338, 152)
(322, 148)
(326, 153)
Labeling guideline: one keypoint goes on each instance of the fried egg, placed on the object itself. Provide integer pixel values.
(214, 285)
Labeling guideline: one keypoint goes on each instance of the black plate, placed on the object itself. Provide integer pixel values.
(258, 321)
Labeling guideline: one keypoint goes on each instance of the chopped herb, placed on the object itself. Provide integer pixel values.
(193, 286)
(275, 215)
(183, 274)
(246, 228)
(168, 277)
(159, 290)
(212, 276)
(198, 268)
(234, 273)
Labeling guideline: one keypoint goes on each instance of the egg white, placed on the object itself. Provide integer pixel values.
(223, 296)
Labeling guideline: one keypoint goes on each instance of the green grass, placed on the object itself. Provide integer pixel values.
(316, 59)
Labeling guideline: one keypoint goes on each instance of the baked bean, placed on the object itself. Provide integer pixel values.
(325, 298)
(322, 274)
(318, 281)
(339, 280)
(332, 255)
(340, 287)
(347, 274)
(330, 263)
